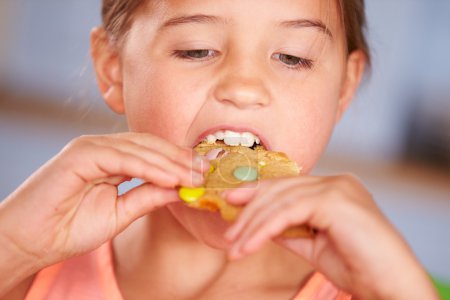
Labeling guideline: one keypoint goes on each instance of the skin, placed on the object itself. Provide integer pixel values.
(169, 102)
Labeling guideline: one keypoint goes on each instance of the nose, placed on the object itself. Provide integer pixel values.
(242, 85)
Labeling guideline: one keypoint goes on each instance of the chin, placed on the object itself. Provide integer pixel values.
(207, 227)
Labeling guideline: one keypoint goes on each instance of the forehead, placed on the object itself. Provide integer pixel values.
(251, 12)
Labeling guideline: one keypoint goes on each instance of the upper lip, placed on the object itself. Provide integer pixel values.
(262, 137)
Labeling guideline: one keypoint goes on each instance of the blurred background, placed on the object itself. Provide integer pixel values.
(396, 136)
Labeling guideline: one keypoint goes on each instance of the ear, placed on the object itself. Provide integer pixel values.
(107, 67)
(354, 71)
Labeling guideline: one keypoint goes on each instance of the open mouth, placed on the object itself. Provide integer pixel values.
(234, 138)
(237, 157)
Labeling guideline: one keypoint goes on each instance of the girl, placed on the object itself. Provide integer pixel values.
(283, 70)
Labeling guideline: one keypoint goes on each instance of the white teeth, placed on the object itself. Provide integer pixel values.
(211, 139)
(247, 139)
(220, 135)
(233, 138)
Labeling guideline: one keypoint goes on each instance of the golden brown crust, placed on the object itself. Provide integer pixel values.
(269, 164)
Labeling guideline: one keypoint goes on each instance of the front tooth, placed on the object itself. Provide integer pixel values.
(257, 140)
(210, 139)
(220, 135)
(232, 138)
(247, 139)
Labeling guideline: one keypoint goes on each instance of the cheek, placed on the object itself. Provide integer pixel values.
(320, 124)
(309, 121)
(160, 101)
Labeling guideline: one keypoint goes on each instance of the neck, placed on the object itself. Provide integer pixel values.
(156, 250)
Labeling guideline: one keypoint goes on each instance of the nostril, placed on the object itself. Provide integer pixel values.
(242, 105)
(243, 93)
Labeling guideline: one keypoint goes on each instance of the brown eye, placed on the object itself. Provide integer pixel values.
(194, 54)
(293, 61)
(289, 59)
(197, 53)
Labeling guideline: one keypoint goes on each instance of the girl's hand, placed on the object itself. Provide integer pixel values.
(71, 205)
(356, 247)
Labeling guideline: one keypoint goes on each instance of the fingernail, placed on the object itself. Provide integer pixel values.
(197, 178)
(241, 191)
(200, 163)
(230, 193)
(226, 193)
(206, 167)
(234, 253)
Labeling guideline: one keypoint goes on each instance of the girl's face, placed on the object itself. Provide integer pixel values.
(269, 67)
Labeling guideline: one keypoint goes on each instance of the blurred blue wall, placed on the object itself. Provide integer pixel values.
(410, 42)
(47, 43)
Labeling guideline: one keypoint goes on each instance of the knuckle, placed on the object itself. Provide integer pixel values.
(345, 181)
(350, 177)
(76, 142)
(80, 142)
(346, 193)
(335, 193)
(75, 148)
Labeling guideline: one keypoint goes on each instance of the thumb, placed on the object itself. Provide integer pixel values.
(240, 195)
(142, 200)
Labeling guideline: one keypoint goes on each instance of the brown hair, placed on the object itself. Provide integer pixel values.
(117, 19)
(354, 20)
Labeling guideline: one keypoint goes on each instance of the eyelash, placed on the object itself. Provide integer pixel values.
(302, 63)
(184, 54)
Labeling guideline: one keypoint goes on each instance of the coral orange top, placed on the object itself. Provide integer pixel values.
(91, 277)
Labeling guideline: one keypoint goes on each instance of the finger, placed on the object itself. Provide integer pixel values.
(184, 155)
(142, 200)
(236, 227)
(294, 213)
(187, 176)
(272, 199)
(241, 195)
(95, 163)
(258, 217)
(266, 194)
(282, 200)
(113, 180)
(269, 211)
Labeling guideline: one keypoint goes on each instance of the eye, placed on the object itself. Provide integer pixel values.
(195, 54)
(294, 62)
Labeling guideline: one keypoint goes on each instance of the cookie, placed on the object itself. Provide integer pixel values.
(231, 166)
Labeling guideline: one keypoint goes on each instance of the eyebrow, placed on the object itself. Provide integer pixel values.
(187, 19)
(209, 19)
(302, 23)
